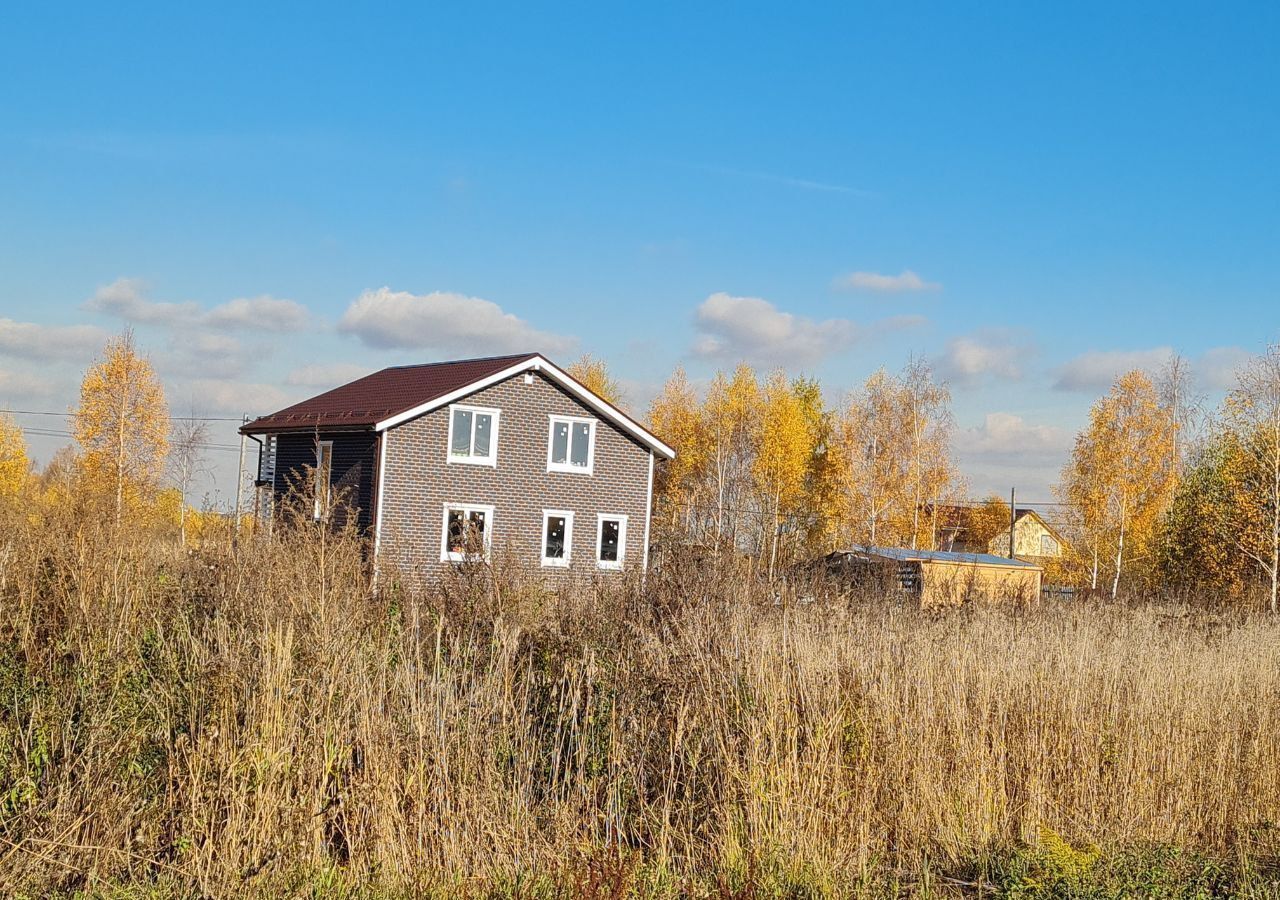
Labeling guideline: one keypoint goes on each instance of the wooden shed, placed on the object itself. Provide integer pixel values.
(944, 578)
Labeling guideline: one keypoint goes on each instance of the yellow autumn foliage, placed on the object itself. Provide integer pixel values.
(122, 427)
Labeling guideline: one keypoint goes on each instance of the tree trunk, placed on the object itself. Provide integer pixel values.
(1275, 530)
(1115, 583)
(121, 423)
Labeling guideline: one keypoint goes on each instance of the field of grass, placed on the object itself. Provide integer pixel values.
(257, 723)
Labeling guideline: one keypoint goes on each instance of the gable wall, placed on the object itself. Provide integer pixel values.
(419, 481)
(1026, 531)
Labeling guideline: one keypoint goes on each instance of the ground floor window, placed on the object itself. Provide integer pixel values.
(557, 537)
(611, 541)
(467, 532)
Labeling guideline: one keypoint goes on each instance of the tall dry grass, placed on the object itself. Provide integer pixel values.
(256, 721)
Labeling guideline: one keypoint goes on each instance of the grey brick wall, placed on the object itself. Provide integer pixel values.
(418, 482)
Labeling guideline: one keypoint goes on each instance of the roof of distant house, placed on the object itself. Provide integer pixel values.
(400, 393)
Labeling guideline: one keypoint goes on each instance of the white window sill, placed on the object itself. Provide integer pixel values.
(464, 557)
(554, 563)
(490, 461)
(569, 469)
(609, 566)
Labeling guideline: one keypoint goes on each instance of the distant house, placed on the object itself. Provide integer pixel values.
(448, 462)
(940, 578)
(1034, 538)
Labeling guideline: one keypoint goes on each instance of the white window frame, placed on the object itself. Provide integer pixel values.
(550, 561)
(490, 460)
(621, 561)
(1052, 548)
(568, 466)
(324, 492)
(468, 508)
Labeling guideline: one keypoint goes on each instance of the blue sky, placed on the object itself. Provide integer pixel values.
(1032, 196)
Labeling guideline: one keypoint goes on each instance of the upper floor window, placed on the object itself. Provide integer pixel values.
(473, 435)
(1048, 546)
(571, 447)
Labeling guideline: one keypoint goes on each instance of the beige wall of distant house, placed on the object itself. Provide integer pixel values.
(1029, 540)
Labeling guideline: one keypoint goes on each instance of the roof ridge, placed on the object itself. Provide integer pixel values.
(454, 362)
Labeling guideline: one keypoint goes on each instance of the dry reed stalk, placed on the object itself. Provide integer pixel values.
(238, 722)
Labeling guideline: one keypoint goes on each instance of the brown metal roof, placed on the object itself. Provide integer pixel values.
(369, 400)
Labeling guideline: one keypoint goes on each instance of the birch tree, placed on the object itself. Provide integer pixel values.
(594, 375)
(186, 462)
(1252, 413)
(675, 417)
(731, 419)
(121, 424)
(782, 456)
(15, 465)
(872, 447)
(1120, 477)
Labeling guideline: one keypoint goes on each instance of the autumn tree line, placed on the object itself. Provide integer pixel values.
(132, 465)
(1160, 494)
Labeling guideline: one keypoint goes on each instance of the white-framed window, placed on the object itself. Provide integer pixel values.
(466, 532)
(571, 445)
(473, 435)
(324, 477)
(1048, 546)
(557, 537)
(611, 541)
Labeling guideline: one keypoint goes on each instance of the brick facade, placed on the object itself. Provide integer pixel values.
(418, 482)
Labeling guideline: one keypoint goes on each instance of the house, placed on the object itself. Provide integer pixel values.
(450, 461)
(938, 577)
(1034, 538)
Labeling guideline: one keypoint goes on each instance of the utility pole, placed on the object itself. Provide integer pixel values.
(1013, 518)
(244, 420)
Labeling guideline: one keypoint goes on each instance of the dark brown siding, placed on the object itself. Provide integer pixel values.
(352, 476)
(418, 482)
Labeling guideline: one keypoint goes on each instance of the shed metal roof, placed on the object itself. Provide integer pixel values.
(903, 554)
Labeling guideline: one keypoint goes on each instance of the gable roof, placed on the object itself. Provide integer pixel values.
(398, 394)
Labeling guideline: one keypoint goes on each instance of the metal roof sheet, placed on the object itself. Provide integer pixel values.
(366, 401)
(903, 554)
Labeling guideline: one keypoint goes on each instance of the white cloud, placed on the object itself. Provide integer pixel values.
(1213, 370)
(224, 395)
(1097, 369)
(1006, 434)
(23, 385)
(1006, 451)
(265, 313)
(126, 298)
(749, 328)
(971, 359)
(77, 343)
(326, 376)
(1216, 369)
(445, 322)
(904, 282)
